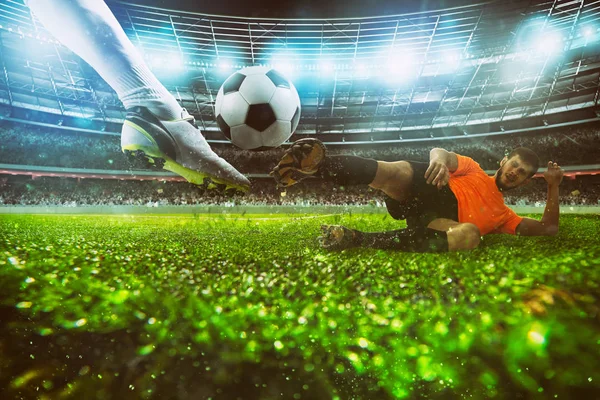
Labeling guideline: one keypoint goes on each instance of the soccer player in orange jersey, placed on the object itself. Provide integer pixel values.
(448, 203)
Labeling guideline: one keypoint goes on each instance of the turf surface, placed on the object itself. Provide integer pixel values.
(249, 307)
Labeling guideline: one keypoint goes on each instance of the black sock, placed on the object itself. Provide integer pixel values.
(348, 170)
(421, 240)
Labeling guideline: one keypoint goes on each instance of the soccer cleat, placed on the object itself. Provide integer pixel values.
(179, 147)
(337, 237)
(299, 162)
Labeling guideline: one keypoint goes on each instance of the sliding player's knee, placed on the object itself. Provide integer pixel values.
(471, 235)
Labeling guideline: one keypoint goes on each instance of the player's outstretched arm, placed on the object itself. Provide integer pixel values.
(548, 226)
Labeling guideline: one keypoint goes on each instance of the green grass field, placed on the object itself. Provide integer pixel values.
(249, 307)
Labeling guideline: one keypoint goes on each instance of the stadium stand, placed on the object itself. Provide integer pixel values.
(21, 190)
(31, 145)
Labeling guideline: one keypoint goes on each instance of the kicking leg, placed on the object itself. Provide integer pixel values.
(155, 126)
(90, 30)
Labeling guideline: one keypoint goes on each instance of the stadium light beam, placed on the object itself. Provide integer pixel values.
(549, 42)
(165, 62)
(399, 68)
(449, 61)
(326, 67)
(283, 66)
(587, 32)
(283, 61)
(224, 67)
(361, 70)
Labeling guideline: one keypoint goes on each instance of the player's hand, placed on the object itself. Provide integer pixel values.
(553, 175)
(437, 174)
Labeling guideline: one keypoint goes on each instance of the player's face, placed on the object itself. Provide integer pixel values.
(513, 173)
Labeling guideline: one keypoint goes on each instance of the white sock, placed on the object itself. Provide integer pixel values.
(90, 30)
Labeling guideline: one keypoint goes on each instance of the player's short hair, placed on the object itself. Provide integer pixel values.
(528, 156)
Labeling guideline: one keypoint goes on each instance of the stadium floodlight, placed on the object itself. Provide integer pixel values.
(361, 70)
(587, 32)
(539, 36)
(451, 59)
(549, 42)
(326, 66)
(399, 68)
(284, 61)
(224, 67)
(447, 62)
(283, 66)
(165, 62)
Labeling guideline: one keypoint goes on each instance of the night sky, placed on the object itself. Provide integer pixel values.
(304, 9)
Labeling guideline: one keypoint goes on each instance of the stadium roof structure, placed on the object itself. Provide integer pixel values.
(383, 78)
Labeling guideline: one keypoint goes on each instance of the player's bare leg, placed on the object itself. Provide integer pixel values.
(461, 236)
(156, 125)
(393, 179)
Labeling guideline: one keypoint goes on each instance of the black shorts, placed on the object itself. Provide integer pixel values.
(425, 202)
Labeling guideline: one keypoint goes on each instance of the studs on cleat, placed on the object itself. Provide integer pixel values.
(159, 162)
(139, 158)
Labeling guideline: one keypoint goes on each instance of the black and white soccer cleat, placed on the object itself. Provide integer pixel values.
(179, 147)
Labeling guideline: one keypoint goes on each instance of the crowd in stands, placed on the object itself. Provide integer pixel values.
(51, 191)
(581, 191)
(31, 145)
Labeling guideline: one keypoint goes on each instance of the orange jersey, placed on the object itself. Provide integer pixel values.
(479, 200)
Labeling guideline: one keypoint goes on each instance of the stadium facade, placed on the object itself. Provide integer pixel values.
(487, 68)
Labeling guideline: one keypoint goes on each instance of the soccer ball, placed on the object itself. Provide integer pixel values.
(257, 108)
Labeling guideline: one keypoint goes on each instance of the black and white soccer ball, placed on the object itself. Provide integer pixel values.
(257, 108)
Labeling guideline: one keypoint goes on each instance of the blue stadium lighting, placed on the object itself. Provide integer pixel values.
(400, 68)
(284, 61)
(224, 66)
(326, 67)
(451, 59)
(361, 70)
(589, 33)
(283, 66)
(170, 62)
(549, 42)
(448, 62)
